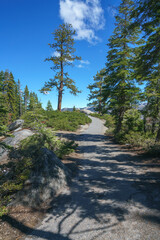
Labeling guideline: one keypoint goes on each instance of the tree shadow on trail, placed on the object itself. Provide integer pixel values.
(34, 232)
(102, 193)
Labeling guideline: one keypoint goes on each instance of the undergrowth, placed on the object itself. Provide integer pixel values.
(132, 133)
(24, 160)
(68, 121)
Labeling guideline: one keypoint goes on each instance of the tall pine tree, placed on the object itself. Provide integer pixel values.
(147, 16)
(64, 56)
(120, 90)
(9, 86)
(26, 98)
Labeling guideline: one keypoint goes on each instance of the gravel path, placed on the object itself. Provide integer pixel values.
(114, 197)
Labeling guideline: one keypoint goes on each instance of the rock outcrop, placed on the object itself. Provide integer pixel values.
(16, 124)
(48, 178)
(13, 142)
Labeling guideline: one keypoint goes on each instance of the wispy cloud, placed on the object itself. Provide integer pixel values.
(80, 66)
(112, 11)
(86, 17)
(83, 63)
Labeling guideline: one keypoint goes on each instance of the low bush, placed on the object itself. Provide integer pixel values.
(140, 140)
(67, 121)
(154, 150)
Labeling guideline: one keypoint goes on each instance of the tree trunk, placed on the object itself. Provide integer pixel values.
(61, 83)
(60, 97)
(120, 119)
(144, 124)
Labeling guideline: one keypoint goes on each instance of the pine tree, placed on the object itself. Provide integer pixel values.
(3, 107)
(96, 92)
(120, 90)
(49, 106)
(9, 90)
(147, 16)
(63, 47)
(26, 98)
(33, 102)
(18, 96)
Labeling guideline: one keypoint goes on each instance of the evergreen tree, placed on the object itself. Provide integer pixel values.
(3, 107)
(120, 90)
(147, 16)
(26, 98)
(9, 90)
(33, 102)
(63, 47)
(18, 95)
(96, 92)
(49, 106)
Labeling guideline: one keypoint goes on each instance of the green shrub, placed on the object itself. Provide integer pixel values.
(132, 121)
(3, 130)
(31, 117)
(110, 121)
(68, 121)
(45, 138)
(154, 150)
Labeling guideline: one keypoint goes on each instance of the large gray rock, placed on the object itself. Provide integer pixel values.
(48, 178)
(13, 141)
(17, 137)
(17, 124)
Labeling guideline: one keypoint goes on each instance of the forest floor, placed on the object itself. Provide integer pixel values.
(114, 195)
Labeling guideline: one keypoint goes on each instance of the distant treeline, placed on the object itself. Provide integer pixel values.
(13, 101)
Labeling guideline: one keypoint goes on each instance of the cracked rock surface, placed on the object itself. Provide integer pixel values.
(114, 197)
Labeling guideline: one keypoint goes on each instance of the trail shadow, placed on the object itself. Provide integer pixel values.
(102, 192)
(34, 232)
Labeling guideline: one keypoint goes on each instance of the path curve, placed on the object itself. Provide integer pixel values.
(114, 196)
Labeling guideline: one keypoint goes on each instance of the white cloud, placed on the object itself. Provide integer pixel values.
(56, 54)
(83, 63)
(86, 16)
(80, 66)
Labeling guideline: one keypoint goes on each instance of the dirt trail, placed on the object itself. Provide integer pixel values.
(114, 196)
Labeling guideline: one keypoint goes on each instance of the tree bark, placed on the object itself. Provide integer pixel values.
(60, 97)
(120, 119)
(61, 82)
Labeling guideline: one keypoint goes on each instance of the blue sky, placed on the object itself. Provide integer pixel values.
(26, 27)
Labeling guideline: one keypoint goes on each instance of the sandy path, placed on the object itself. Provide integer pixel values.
(114, 196)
